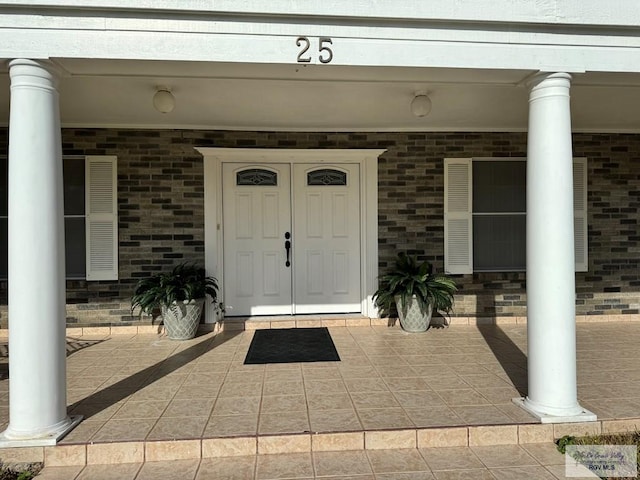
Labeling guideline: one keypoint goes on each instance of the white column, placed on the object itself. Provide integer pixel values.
(37, 354)
(551, 327)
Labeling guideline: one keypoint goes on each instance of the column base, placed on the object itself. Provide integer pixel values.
(50, 439)
(583, 415)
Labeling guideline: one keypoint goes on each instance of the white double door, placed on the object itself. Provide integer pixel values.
(291, 239)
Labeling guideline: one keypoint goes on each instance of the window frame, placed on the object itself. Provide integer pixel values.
(458, 213)
(109, 188)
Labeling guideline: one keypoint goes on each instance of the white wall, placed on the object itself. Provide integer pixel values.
(551, 35)
(568, 12)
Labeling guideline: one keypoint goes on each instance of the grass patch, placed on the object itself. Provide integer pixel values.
(629, 438)
(19, 471)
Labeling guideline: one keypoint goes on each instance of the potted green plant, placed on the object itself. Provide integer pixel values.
(179, 295)
(412, 291)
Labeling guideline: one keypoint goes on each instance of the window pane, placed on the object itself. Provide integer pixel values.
(326, 176)
(499, 186)
(256, 176)
(75, 247)
(4, 247)
(73, 186)
(4, 191)
(499, 242)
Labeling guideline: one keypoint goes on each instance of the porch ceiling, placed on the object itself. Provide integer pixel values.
(105, 93)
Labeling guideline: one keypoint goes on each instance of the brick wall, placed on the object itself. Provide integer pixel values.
(612, 284)
(161, 210)
(411, 210)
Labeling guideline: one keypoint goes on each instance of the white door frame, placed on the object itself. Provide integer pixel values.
(213, 225)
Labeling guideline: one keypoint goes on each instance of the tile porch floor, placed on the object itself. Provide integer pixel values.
(145, 387)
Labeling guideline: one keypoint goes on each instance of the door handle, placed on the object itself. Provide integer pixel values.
(287, 246)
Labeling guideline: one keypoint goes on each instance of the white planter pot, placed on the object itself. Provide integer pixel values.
(181, 319)
(415, 319)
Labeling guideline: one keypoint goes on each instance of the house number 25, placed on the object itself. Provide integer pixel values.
(325, 54)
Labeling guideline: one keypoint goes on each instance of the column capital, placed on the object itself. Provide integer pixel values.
(545, 84)
(34, 73)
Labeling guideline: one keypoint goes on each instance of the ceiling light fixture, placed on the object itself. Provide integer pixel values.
(421, 104)
(163, 100)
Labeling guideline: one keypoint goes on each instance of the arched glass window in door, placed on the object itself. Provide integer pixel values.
(326, 176)
(257, 176)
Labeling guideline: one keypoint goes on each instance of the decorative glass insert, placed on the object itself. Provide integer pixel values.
(257, 176)
(326, 176)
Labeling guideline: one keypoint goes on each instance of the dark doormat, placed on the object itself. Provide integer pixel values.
(289, 345)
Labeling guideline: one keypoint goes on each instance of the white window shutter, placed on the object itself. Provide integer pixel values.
(458, 225)
(101, 217)
(580, 214)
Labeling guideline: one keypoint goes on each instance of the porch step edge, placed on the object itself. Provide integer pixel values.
(254, 323)
(77, 454)
(307, 321)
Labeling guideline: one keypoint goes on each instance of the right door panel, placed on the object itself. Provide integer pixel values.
(326, 238)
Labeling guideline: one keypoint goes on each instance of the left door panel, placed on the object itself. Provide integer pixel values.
(256, 211)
